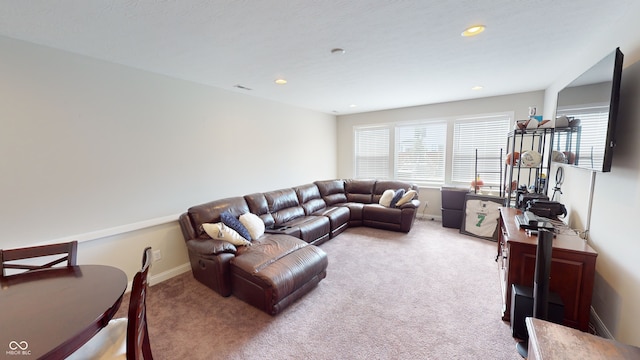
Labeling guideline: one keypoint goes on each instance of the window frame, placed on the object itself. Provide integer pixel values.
(359, 130)
(448, 149)
(490, 161)
(417, 125)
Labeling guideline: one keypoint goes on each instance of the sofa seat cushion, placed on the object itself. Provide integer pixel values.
(276, 271)
(311, 229)
(394, 219)
(376, 212)
(355, 212)
(338, 218)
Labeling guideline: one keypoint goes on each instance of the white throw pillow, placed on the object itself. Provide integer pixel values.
(253, 223)
(108, 343)
(222, 232)
(408, 196)
(387, 196)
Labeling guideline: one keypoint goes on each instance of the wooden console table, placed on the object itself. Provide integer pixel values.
(552, 341)
(573, 267)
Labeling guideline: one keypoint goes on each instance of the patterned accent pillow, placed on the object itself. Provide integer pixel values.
(387, 196)
(228, 219)
(396, 197)
(408, 196)
(220, 231)
(254, 224)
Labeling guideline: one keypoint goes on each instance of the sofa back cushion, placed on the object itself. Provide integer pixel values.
(332, 191)
(283, 205)
(382, 185)
(309, 198)
(359, 190)
(210, 212)
(258, 205)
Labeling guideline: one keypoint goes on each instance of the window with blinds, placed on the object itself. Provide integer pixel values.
(420, 152)
(372, 152)
(487, 135)
(593, 121)
(423, 153)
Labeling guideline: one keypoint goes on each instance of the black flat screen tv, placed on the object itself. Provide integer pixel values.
(589, 105)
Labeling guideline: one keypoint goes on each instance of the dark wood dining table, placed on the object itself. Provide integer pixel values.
(48, 314)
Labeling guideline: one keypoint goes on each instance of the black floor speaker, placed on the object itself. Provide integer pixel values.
(522, 307)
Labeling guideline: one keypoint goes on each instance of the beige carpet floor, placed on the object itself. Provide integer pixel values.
(430, 294)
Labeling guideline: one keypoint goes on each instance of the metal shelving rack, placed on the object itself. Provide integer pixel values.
(568, 141)
(540, 140)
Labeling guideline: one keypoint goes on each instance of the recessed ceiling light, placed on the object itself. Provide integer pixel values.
(353, 105)
(281, 81)
(473, 30)
(338, 51)
(477, 87)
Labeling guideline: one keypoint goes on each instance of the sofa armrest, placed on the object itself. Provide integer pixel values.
(411, 204)
(210, 261)
(208, 247)
(188, 232)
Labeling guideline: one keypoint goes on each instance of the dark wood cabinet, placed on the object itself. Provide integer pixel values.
(573, 267)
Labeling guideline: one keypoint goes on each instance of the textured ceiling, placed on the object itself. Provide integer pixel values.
(398, 53)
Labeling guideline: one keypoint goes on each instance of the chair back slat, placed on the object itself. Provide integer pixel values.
(138, 346)
(9, 257)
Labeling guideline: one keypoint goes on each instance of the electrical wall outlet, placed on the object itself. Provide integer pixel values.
(157, 255)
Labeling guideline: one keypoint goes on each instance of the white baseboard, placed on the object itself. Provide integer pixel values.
(429, 217)
(165, 275)
(599, 326)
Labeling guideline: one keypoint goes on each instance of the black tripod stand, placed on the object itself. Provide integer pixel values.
(540, 283)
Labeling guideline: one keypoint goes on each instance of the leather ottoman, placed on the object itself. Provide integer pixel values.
(273, 273)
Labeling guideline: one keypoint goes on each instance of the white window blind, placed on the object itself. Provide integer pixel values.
(488, 135)
(420, 152)
(372, 153)
(594, 121)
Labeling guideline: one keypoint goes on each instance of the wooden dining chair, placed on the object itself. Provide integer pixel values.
(62, 252)
(124, 338)
(138, 346)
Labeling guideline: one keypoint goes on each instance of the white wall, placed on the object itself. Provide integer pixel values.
(616, 199)
(517, 103)
(90, 149)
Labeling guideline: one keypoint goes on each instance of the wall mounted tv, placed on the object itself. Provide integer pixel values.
(589, 104)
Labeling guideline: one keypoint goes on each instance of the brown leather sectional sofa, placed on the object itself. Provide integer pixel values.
(285, 263)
